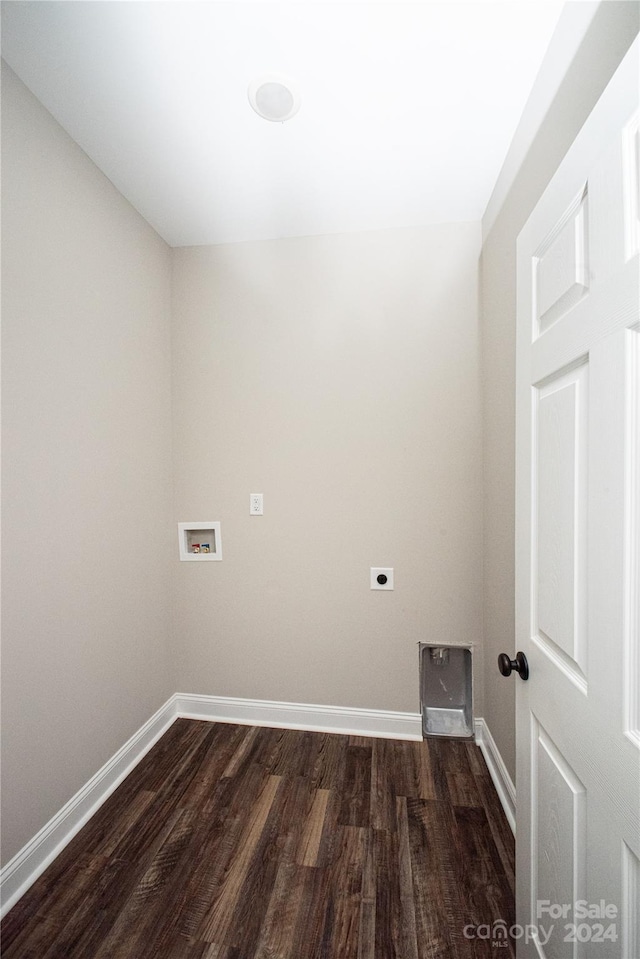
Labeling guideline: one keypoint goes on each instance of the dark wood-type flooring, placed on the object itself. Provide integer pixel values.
(234, 842)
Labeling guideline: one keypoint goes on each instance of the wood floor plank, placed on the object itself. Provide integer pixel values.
(342, 917)
(232, 842)
(221, 748)
(401, 769)
(356, 790)
(129, 820)
(33, 941)
(423, 772)
(453, 754)
(500, 829)
(477, 764)
(311, 920)
(367, 930)
(215, 840)
(408, 929)
(329, 837)
(132, 925)
(439, 765)
(166, 763)
(328, 770)
(387, 894)
(433, 878)
(472, 835)
(294, 811)
(242, 750)
(276, 937)
(463, 790)
(288, 752)
(309, 846)
(276, 847)
(481, 878)
(220, 916)
(383, 785)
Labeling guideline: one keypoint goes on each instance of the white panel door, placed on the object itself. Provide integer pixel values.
(578, 545)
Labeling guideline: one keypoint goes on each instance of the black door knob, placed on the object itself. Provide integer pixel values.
(519, 665)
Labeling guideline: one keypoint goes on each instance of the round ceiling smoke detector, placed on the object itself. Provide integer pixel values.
(275, 98)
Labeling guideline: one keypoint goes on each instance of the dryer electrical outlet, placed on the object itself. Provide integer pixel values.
(381, 577)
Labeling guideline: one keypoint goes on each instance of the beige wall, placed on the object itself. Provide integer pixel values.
(609, 37)
(86, 478)
(338, 376)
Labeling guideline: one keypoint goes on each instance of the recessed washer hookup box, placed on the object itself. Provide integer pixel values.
(446, 691)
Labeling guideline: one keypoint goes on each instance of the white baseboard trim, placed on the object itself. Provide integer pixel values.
(32, 860)
(498, 771)
(322, 719)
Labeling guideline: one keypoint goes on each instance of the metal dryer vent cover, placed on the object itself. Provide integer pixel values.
(274, 97)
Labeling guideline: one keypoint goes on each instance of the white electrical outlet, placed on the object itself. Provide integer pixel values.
(255, 504)
(381, 578)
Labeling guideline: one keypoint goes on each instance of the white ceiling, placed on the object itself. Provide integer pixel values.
(408, 109)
